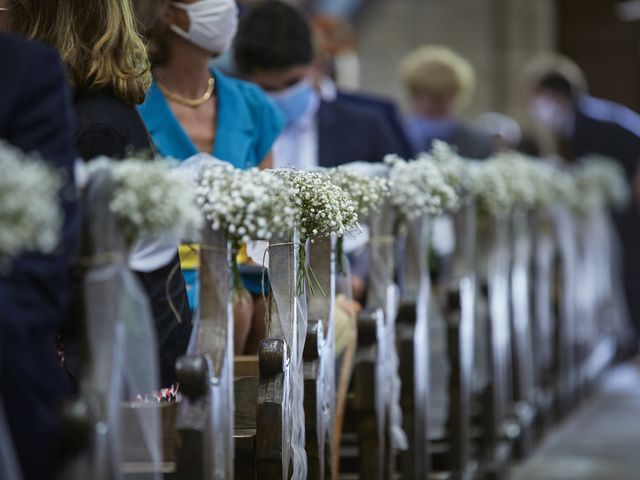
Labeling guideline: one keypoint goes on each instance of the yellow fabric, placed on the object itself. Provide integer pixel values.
(242, 256)
(189, 256)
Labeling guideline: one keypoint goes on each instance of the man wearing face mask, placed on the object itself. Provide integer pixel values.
(583, 125)
(274, 49)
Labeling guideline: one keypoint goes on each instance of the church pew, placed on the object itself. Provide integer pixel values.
(263, 398)
(264, 434)
(273, 437)
(366, 449)
(413, 349)
(564, 359)
(204, 416)
(246, 385)
(603, 316)
(524, 403)
(498, 430)
(373, 425)
(544, 319)
(319, 359)
(453, 454)
(116, 323)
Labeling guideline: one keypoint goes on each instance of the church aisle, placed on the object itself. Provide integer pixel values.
(600, 441)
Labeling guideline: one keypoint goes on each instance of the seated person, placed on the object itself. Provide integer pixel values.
(192, 108)
(439, 83)
(274, 49)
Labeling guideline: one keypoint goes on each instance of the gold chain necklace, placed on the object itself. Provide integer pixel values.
(189, 102)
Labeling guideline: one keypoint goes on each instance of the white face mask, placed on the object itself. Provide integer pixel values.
(551, 115)
(213, 24)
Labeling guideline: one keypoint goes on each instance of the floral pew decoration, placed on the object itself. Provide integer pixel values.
(123, 202)
(288, 209)
(30, 222)
(238, 207)
(603, 183)
(440, 178)
(368, 193)
(29, 206)
(509, 188)
(526, 209)
(325, 213)
(602, 319)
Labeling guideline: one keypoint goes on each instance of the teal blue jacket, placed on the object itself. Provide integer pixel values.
(247, 123)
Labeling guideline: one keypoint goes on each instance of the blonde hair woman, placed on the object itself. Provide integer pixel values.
(440, 83)
(109, 70)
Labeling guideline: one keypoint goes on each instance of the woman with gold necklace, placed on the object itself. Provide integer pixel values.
(192, 108)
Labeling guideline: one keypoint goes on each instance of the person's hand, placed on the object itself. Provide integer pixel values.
(242, 319)
(358, 287)
(347, 312)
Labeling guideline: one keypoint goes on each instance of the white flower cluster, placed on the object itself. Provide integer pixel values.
(490, 189)
(602, 182)
(323, 207)
(453, 167)
(419, 188)
(30, 215)
(245, 204)
(511, 180)
(367, 193)
(520, 174)
(151, 197)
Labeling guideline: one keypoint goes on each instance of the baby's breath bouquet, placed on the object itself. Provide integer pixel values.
(510, 181)
(519, 173)
(451, 164)
(323, 209)
(419, 188)
(245, 204)
(602, 183)
(367, 192)
(555, 186)
(490, 189)
(151, 198)
(30, 215)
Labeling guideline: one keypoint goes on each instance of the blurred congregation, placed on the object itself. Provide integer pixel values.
(451, 346)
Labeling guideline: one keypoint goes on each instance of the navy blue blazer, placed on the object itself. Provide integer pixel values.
(36, 116)
(350, 133)
(602, 135)
(388, 111)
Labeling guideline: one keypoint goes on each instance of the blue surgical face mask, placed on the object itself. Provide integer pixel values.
(294, 101)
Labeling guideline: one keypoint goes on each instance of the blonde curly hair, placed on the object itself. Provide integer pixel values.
(438, 73)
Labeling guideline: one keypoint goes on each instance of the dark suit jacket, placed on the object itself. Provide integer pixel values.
(388, 111)
(107, 126)
(36, 116)
(350, 133)
(594, 135)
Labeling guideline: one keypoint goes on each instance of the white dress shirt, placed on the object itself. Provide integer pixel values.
(297, 145)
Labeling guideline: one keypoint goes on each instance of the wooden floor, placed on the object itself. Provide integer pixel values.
(601, 441)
